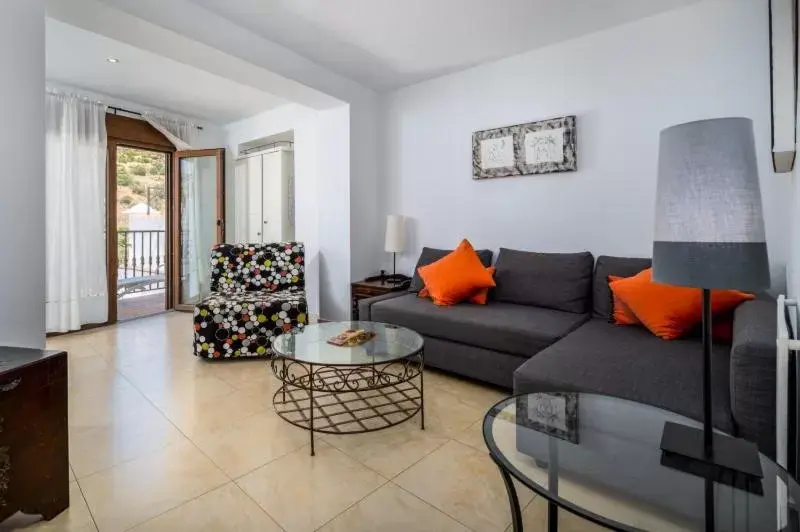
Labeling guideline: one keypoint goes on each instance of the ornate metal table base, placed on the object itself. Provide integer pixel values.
(349, 399)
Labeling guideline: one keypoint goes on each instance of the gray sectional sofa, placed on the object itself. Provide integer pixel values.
(546, 327)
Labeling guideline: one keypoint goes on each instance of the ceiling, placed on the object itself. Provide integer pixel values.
(77, 57)
(386, 44)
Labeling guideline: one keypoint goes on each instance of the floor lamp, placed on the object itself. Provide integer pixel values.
(709, 234)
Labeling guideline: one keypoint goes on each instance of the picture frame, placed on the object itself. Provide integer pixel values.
(541, 147)
(555, 414)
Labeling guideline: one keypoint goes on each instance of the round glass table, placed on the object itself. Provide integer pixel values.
(599, 457)
(340, 389)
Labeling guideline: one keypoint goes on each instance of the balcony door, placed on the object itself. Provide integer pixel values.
(198, 216)
(138, 219)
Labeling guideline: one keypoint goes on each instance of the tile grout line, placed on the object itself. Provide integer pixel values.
(174, 507)
(447, 440)
(232, 480)
(181, 432)
(256, 502)
(432, 506)
(323, 525)
(88, 508)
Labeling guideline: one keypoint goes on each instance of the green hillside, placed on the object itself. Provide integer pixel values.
(138, 170)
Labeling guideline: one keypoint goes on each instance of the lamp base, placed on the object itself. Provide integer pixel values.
(729, 453)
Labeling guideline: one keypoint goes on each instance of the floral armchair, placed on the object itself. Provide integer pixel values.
(258, 292)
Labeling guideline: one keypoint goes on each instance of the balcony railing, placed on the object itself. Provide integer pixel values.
(142, 260)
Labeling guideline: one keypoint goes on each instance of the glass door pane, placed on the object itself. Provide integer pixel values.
(199, 183)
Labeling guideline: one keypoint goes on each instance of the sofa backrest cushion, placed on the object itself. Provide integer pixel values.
(619, 266)
(560, 281)
(430, 255)
(257, 267)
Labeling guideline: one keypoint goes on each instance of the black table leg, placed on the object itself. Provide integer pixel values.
(311, 416)
(552, 517)
(422, 394)
(516, 515)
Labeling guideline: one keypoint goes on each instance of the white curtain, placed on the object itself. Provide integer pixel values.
(75, 153)
(195, 261)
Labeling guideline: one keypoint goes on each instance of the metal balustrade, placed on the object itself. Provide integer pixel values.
(142, 260)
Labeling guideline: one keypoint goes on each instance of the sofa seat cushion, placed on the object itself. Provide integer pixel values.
(631, 363)
(515, 329)
(243, 324)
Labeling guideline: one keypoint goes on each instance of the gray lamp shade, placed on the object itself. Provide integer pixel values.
(709, 224)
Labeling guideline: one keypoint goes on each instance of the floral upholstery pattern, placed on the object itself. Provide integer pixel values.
(258, 292)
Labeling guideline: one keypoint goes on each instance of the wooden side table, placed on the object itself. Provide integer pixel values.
(371, 287)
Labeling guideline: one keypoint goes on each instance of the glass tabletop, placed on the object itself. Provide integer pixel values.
(600, 457)
(311, 345)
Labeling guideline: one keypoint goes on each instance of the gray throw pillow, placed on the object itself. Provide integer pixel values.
(560, 281)
(430, 255)
(619, 266)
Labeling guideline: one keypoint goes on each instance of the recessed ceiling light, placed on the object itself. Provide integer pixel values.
(112, 60)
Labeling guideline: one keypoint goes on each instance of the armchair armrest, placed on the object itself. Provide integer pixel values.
(752, 372)
(365, 305)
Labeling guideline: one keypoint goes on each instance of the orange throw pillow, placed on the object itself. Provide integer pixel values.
(671, 311)
(478, 298)
(456, 276)
(623, 315)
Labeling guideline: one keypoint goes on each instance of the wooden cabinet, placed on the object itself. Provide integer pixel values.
(371, 287)
(264, 197)
(34, 452)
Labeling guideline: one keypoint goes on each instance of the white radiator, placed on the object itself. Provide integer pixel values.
(785, 344)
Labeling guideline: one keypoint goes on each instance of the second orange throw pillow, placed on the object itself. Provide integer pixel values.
(669, 311)
(456, 276)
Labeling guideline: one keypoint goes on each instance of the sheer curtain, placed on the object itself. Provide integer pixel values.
(75, 153)
(195, 261)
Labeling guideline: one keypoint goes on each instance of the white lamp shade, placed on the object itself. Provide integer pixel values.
(395, 234)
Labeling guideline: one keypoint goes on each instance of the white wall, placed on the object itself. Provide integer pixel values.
(335, 178)
(303, 121)
(22, 211)
(624, 84)
(793, 269)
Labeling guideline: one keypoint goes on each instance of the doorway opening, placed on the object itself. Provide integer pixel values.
(142, 212)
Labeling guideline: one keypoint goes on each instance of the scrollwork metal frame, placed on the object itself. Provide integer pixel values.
(347, 398)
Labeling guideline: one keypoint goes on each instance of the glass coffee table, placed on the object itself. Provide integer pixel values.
(599, 457)
(340, 390)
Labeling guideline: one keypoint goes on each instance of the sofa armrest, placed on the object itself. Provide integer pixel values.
(365, 305)
(752, 372)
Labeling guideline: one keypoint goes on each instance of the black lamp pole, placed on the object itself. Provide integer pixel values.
(708, 423)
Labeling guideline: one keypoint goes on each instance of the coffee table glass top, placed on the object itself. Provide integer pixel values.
(311, 345)
(600, 458)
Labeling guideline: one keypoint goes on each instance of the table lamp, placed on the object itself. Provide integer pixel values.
(709, 234)
(395, 239)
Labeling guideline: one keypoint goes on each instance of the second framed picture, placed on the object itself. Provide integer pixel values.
(533, 148)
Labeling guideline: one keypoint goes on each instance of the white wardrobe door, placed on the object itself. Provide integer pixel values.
(255, 193)
(273, 198)
(240, 221)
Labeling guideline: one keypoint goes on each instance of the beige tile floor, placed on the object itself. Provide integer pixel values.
(162, 441)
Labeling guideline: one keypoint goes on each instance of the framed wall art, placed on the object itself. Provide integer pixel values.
(534, 148)
(555, 414)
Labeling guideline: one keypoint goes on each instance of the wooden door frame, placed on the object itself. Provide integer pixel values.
(175, 215)
(112, 245)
